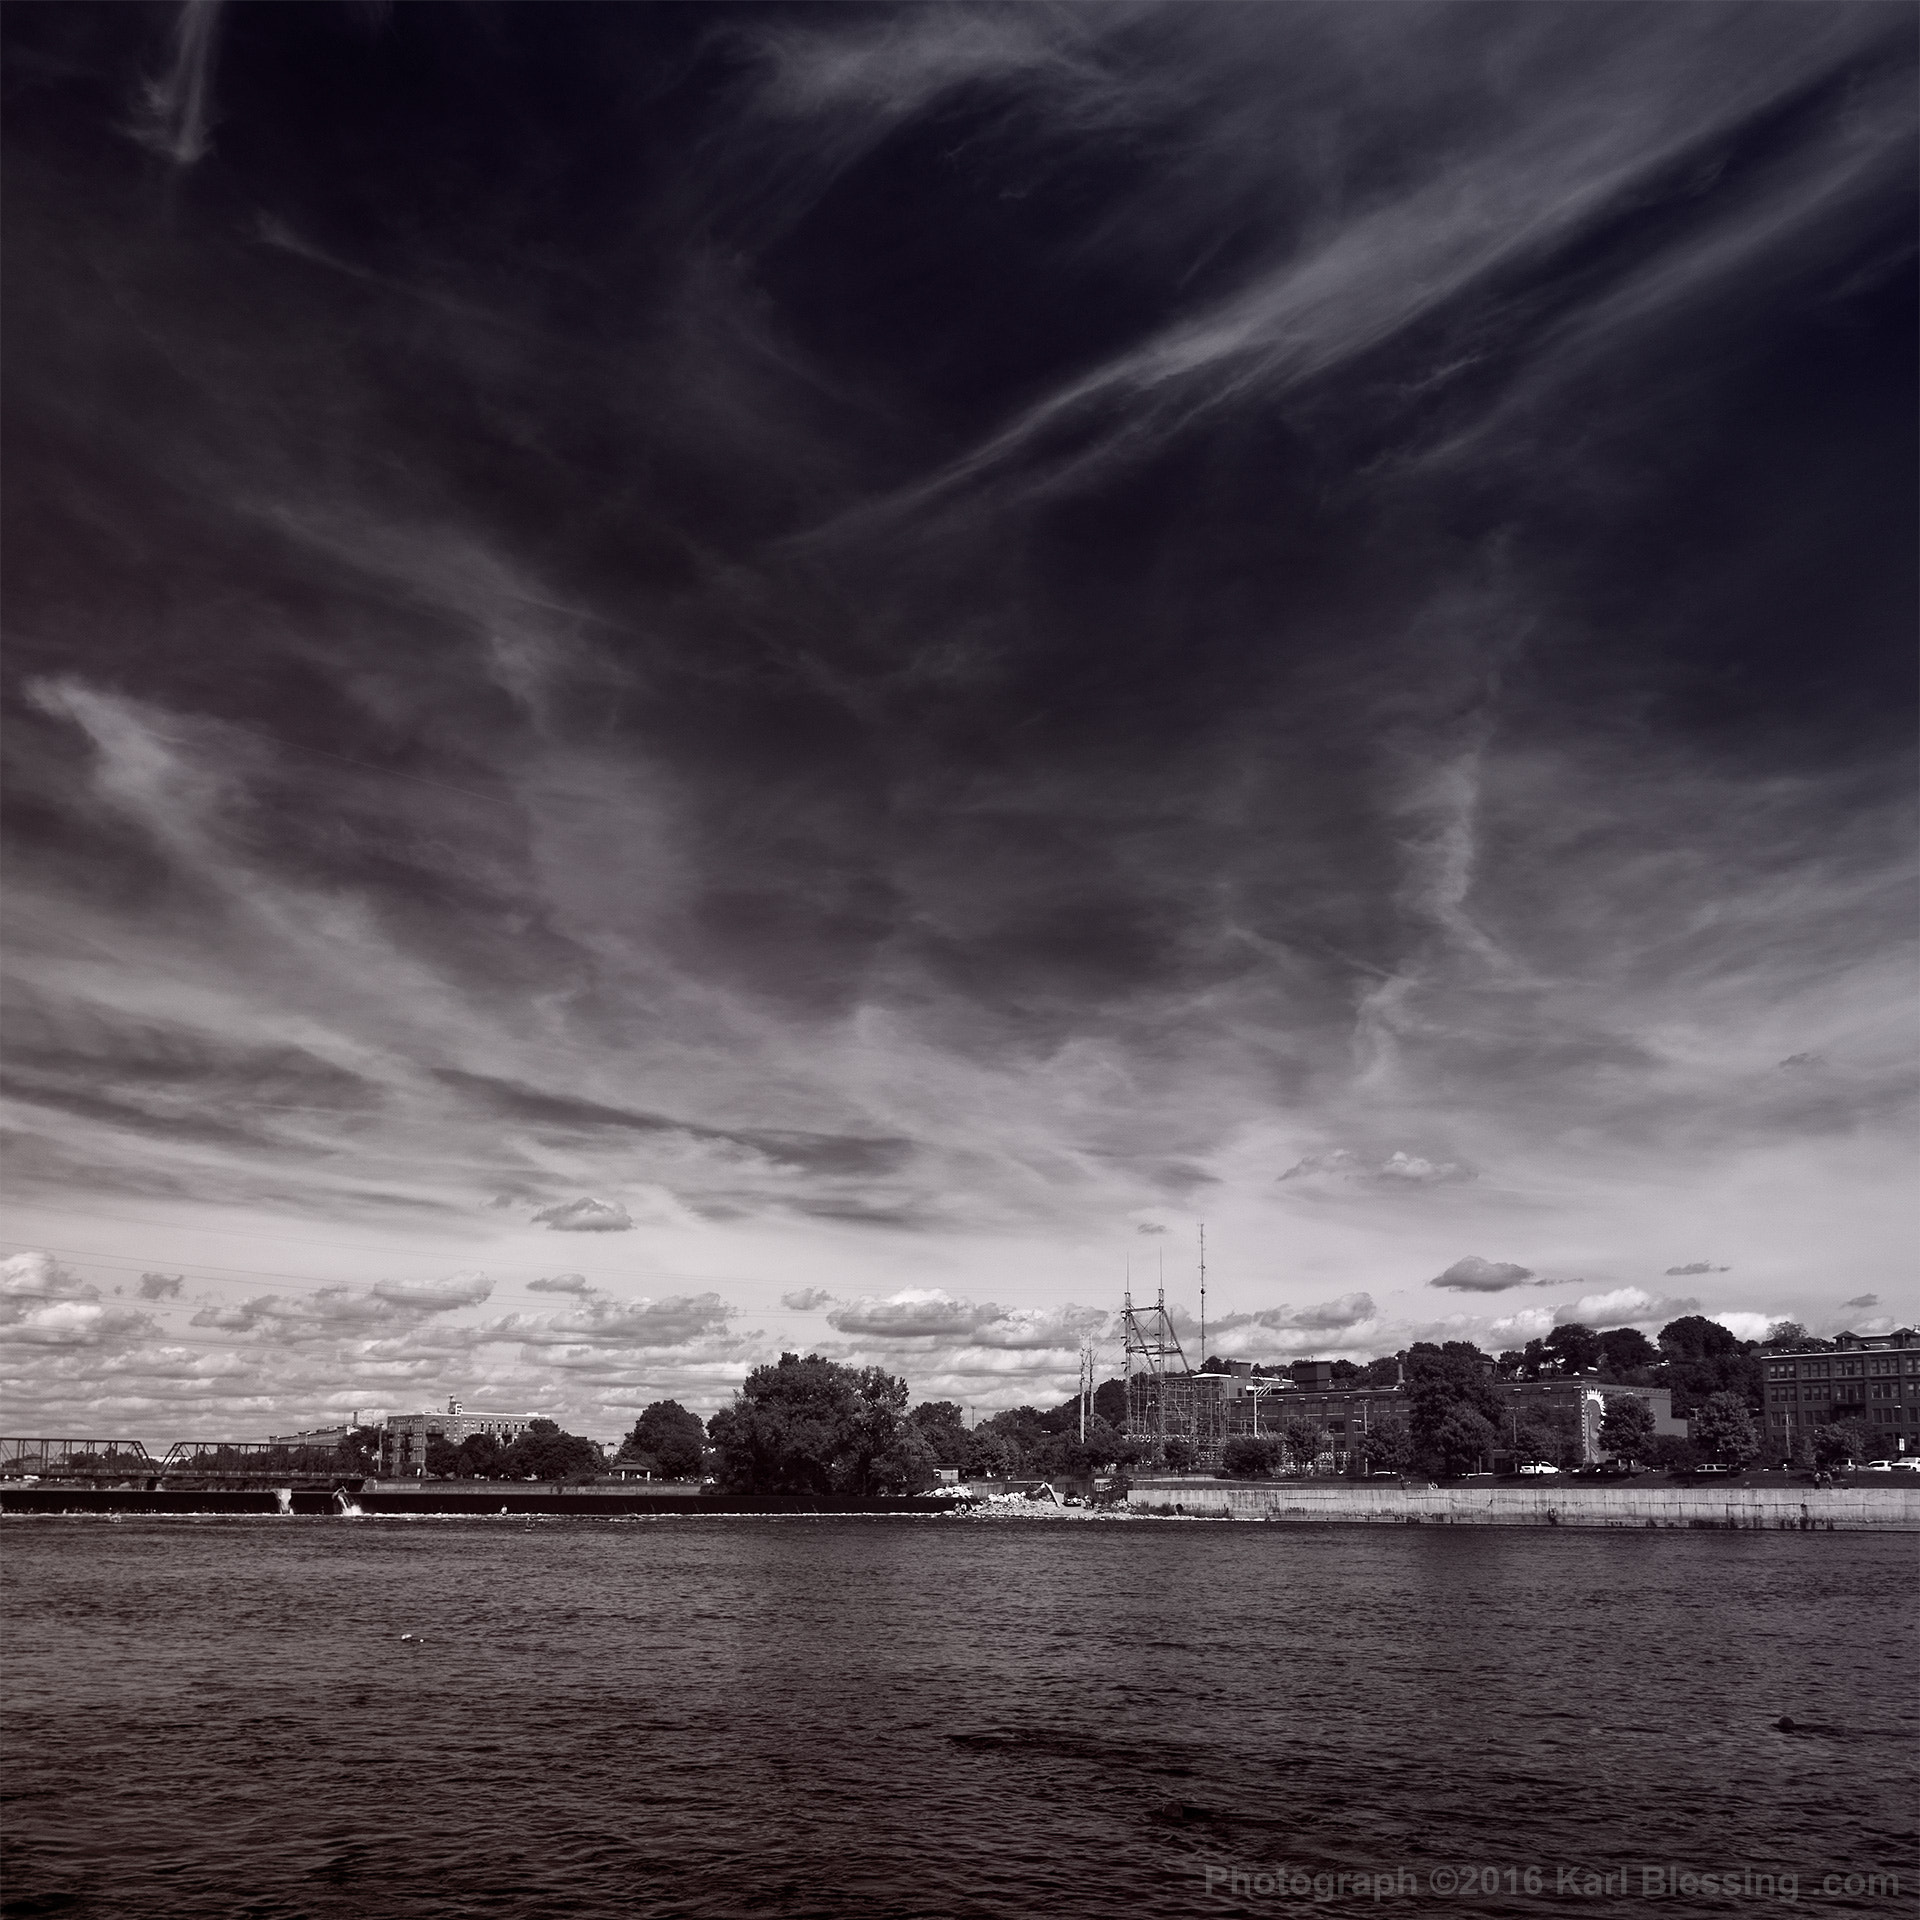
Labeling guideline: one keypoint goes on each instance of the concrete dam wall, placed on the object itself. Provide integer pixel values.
(1880, 1508)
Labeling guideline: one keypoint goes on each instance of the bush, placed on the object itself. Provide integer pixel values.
(1251, 1456)
(1673, 1453)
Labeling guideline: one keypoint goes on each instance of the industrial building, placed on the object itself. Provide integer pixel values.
(1874, 1379)
(1167, 1400)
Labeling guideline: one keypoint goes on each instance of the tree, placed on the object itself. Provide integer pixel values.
(1249, 1456)
(480, 1457)
(945, 1430)
(1625, 1351)
(813, 1426)
(1305, 1438)
(1703, 1358)
(1535, 1442)
(1626, 1427)
(1841, 1444)
(1387, 1443)
(1575, 1349)
(1723, 1427)
(1789, 1336)
(542, 1451)
(905, 1464)
(669, 1437)
(988, 1456)
(1463, 1438)
(1110, 1403)
(1672, 1452)
(1694, 1337)
(443, 1457)
(1440, 1380)
(1179, 1454)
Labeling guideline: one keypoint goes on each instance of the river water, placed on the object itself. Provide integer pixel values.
(221, 1717)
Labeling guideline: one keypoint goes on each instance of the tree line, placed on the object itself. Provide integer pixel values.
(809, 1425)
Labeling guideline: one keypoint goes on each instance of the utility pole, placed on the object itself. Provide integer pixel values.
(1203, 1293)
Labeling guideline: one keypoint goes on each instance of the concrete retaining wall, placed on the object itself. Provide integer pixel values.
(1788, 1509)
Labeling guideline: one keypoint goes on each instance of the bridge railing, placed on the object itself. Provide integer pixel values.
(187, 1462)
(258, 1462)
(40, 1458)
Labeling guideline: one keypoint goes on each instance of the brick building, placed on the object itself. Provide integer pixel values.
(1874, 1379)
(403, 1440)
(1209, 1409)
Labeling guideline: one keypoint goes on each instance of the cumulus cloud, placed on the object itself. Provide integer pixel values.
(928, 1314)
(1745, 1326)
(562, 1283)
(1515, 1329)
(1475, 1275)
(1349, 1311)
(1412, 1170)
(1693, 1267)
(585, 1215)
(161, 1286)
(1627, 1306)
(625, 1324)
(435, 1296)
(1398, 1169)
(45, 1306)
(337, 1312)
(39, 1276)
(807, 1300)
(911, 1314)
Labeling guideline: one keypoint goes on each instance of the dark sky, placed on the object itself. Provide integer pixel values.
(873, 658)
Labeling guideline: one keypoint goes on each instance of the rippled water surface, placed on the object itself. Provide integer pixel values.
(846, 1717)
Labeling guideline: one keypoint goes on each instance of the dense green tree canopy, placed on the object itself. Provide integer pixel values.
(1387, 1442)
(1442, 1381)
(945, 1429)
(1723, 1427)
(542, 1452)
(812, 1426)
(1625, 1351)
(1626, 1427)
(1464, 1438)
(670, 1438)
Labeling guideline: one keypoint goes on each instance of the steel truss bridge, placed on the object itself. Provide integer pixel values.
(187, 1463)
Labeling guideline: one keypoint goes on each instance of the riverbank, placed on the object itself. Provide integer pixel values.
(437, 1501)
(1879, 1508)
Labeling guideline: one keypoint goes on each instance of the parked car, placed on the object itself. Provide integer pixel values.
(1539, 1466)
(1714, 1466)
(1876, 1466)
(1910, 1464)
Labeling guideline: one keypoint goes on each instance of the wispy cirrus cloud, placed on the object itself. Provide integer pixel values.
(842, 852)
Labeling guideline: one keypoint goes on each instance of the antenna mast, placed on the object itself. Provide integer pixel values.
(1203, 1293)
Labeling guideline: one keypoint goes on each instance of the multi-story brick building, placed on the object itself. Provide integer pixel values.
(1209, 1409)
(403, 1440)
(1872, 1379)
